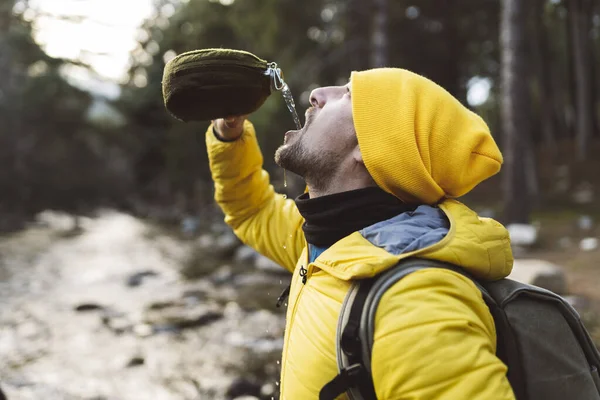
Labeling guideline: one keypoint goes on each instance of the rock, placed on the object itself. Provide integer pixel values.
(55, 220)
(245, 254)
(190, 225)
(143, 330)
(206, 241)
(201, 262)
(268, 390)
(193, 295)
(135, 362)
(137, 278)
(522, 234)
(585, 223)
(227, 242)
(265, 264)
(540, 273)
(179, 317)
(583, 193)
(200, 321)
(243, 387)
(116, 322)
(86, 307)
(161, 305)
(258, 290)
(588, 244)
(223, 275)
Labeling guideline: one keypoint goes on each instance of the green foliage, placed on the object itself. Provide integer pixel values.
(49, 155)
(45, 136)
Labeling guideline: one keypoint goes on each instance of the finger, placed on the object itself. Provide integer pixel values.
(234, 122)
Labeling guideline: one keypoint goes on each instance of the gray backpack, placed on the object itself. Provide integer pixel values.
(563, 365)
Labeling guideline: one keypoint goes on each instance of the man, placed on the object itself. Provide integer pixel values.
(383, 157)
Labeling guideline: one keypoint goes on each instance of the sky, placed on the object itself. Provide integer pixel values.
(103, 38)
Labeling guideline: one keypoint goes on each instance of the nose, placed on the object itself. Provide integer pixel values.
(320, 96)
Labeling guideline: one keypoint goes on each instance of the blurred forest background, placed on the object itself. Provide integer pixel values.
(529, 68)
(118, 277)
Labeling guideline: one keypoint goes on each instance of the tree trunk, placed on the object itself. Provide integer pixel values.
(541, 54)
(515, 109)
(358, 23)
(379, 46)
(579, 15)
(8, 140)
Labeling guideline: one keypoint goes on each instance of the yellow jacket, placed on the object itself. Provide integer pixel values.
(434, 335)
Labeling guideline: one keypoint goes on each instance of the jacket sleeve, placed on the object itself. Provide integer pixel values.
(264, 220)
(435, 339)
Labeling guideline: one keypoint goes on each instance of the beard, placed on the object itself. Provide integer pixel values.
(317, 169)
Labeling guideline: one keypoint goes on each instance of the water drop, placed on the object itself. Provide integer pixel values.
(277, 383)
(284, 247)
(280, 282)
(289, 101)
(285, 196)
(278, 362)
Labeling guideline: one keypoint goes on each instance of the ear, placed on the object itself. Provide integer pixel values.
(357, 155)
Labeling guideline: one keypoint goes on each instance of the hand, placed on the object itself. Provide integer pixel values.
(230, 128)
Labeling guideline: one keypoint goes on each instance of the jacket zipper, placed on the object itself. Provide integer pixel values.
(303, 272)
(292, 318)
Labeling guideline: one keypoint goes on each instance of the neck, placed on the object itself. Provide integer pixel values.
(341, 182)
(346, 186)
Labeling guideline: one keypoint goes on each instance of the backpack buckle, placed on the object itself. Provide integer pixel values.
(346, 379)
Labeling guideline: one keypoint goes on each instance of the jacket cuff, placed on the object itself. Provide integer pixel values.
(220, 139)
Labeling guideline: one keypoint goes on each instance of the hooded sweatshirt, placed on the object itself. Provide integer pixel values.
(434, 336)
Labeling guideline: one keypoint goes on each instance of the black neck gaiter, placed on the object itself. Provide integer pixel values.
(331, 218)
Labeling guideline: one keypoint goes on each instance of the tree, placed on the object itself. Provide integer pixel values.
(515, 109)
(580, 19)
(380, 47)
(542, 59)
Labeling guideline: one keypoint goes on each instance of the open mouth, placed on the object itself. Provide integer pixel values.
(309, 116)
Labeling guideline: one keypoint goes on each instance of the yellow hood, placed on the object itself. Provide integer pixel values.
(452, 233)
(417, 141)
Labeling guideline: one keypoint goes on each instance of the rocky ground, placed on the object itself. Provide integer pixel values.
(108, 311)
(119, 309)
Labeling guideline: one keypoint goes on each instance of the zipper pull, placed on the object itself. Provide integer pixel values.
(303, 272)
(284, 295)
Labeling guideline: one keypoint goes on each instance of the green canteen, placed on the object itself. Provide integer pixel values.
(207, 84)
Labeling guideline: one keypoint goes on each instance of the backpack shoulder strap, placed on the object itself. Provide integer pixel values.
(356, 326)
(353, 377)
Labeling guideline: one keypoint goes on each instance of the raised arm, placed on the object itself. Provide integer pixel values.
(435, 340)
(261, 218)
